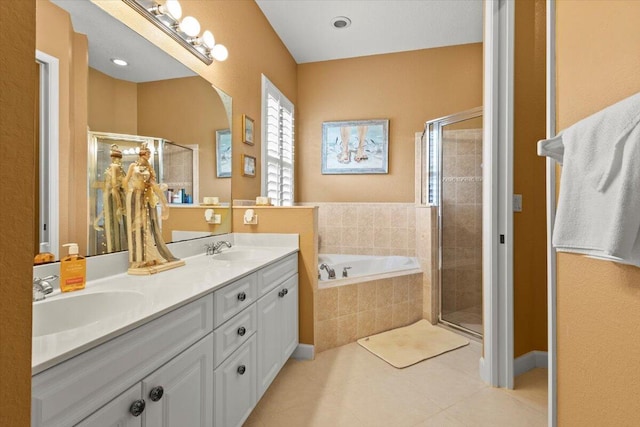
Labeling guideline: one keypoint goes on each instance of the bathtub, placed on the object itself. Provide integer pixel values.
(364, 268)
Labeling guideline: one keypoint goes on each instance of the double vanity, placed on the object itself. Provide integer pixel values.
(194, 346)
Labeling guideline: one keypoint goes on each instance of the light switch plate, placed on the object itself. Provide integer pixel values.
(517, 202)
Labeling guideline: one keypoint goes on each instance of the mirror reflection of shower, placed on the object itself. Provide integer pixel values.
(172, 163)
(453, 183)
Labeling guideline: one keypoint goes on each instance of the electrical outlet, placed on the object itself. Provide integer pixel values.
(517, 202)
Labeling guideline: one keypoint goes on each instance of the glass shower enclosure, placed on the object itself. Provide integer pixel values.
(454, 184)
(173, 166)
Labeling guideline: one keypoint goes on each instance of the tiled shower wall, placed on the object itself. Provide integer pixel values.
(462, 220)
(367, 228)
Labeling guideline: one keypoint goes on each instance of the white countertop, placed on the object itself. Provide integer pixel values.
(161, 293)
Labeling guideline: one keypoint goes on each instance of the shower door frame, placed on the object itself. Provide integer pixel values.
(438, 125)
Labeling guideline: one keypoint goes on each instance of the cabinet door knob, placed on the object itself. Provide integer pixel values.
(242, 296)
(137, 407)
(242, 369)
(242, 331)
(281, 293)
(156, 393)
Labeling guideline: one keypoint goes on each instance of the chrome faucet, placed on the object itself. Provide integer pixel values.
(42, 287)
(331, 271)
(216, 247)
(344, 271)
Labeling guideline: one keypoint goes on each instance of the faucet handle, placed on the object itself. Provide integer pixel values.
(344, 271)
(42, 287)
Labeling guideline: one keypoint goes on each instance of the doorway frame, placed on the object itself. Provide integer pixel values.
(552, 403)
(49, 151)
(496, 363)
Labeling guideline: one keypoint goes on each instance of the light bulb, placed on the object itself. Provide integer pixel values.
(219, 52)
(120, 62)
(174, 9)
(190, 26)
(208, 40)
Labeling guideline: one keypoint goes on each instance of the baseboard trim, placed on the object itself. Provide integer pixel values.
(304, 352)
(533, 359)
(483, 367)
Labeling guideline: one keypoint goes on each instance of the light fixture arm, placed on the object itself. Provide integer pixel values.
(171, 32)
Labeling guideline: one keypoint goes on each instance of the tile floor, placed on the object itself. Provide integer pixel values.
(470, 318)
(348, 386)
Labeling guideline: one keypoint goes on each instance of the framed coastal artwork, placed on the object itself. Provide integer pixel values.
(248, 165)
(247, 129)
(355, 147)
(223, 153)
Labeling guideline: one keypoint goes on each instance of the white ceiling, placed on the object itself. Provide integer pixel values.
(378, 26)
(109, 38)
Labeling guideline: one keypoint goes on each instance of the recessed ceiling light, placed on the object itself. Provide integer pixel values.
(120, 62)
(340, 22)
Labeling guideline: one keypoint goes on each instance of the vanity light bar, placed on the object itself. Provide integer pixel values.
(171, 26)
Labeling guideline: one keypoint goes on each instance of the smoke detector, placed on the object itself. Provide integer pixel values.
(340, 22)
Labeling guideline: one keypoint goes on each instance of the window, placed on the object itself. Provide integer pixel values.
(277, 145)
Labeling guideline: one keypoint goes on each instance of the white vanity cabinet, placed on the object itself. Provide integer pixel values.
(277, 318)
(166, 348)
(277, 330)
(270, 334)
(179, 393)
(203, 364)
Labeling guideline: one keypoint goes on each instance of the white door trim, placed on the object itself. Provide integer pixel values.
(496, 365)
(49, 148)
(551, 214)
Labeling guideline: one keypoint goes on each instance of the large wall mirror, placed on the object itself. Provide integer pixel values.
(154, 99)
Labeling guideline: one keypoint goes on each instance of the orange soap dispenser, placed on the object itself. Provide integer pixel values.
(73, 270)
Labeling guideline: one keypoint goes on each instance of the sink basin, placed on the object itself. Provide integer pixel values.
(64, 313)
(242, 254)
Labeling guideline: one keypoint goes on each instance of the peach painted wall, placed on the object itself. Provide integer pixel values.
(302, 220)
(55, 36)
(598, 317)
(17, 136)
(198, 113)
(529, 226)
(254, 48)
(407, 88)
(191, 218)
(113, 104)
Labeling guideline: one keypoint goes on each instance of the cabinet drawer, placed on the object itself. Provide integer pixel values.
(70, 391)
(232, 299)
(234, 385)
(271, 276)
(233, 333)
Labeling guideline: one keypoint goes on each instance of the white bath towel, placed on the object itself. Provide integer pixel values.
(599, 204)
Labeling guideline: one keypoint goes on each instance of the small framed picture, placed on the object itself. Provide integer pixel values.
(247, 129)
(223, 153)
(248, 165)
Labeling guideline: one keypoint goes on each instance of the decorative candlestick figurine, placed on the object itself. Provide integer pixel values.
(148, 253)
(113, 202)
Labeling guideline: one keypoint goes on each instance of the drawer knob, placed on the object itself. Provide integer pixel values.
(242, 296)
(242, 331)
(242, 369)
(283, 292)
(137, 407)
(156, 393)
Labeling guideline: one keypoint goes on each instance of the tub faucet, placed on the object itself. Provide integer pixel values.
(344, 271)
(331, 271)
(42, 287)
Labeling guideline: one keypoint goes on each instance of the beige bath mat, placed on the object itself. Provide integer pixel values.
(411, 344)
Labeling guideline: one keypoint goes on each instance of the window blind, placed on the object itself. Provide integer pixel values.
(277, 146)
